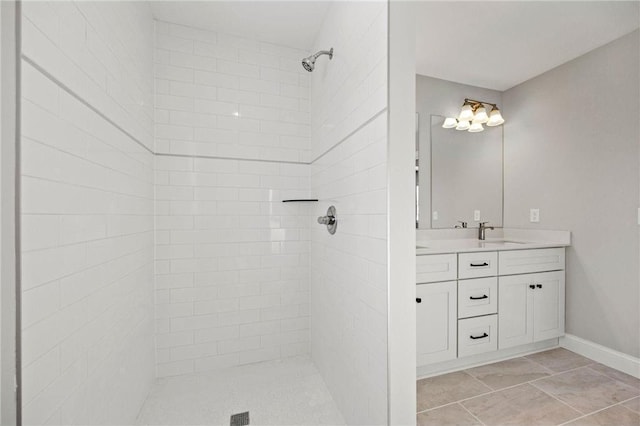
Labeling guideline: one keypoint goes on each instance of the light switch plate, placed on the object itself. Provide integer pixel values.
(476, 215)
(434, 216)
(534, 215)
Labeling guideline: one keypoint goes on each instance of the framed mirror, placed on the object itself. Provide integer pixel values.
(465, 175)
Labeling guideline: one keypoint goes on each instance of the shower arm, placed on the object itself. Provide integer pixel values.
(324, 52)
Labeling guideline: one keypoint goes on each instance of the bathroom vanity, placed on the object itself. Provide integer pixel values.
(483, 293)
(480, 301)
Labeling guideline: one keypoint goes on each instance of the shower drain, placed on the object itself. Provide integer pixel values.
(240, 419)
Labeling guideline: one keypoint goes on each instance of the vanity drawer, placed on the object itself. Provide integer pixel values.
(477, 335)
(435, 267)
(526, 261)
(476, 265)
(477, 297)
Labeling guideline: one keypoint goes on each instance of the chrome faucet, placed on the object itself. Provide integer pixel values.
(481, 230)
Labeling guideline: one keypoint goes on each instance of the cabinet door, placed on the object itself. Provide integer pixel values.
(515, 310)
(437, 320)
(548, 305)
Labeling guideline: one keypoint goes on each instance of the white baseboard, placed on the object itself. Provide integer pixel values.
(602, 354)
(457, 364)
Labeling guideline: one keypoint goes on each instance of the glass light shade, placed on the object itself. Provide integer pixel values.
(463, 125)
(450, 123)
(476, 127)
(466, 113)
(481, 115)
(495, 118)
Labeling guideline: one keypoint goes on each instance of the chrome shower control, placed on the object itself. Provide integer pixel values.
(329, 220)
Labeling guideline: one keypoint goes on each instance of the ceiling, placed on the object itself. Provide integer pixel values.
(498, 45)
(287, 23)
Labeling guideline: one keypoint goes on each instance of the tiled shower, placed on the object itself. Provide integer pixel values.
(155, 157)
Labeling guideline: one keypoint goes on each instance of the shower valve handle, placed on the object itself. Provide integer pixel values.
(329, 220)
(326, 220)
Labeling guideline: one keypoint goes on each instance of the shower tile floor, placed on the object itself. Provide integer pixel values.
(284, 392)
(555, 387)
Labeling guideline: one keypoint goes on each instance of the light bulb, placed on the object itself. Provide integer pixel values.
(495, 118)
(450, 123)
(463, 125)
(466, 113)
(476, 127)
(481, 115)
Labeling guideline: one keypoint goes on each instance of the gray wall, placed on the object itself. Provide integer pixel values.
(441, 97)
(571, 150)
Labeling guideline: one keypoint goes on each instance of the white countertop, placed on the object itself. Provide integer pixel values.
(461, 241)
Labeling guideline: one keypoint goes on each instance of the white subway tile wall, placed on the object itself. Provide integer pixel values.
(352, 88)
(87, 213)
(349, 269)
(101, 51)
(232, 263)
(224, 96)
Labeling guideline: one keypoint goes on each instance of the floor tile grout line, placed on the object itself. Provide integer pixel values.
(532, 383)
(559, 400)
(550, 371)
(608, 376)
(479, 381)
(624, 402)
(602, 409)
(497, 390)
(558, 373)
(502, 389)
(473, 415)
(559, 347)
(588, 366)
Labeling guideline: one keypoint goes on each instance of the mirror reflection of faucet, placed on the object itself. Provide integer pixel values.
(482, 230)
(463, 224)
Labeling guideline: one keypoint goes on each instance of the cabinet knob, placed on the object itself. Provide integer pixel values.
(531, 286)
(539, 285)
(418, 300)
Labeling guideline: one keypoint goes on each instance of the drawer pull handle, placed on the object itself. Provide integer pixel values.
(484, 296)
(479, 337)
(539, 285)
(478, 265)
(418, 300)
(532, 286)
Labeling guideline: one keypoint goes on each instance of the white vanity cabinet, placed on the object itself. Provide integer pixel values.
(436, 318)
(531, 308)
(473, 303)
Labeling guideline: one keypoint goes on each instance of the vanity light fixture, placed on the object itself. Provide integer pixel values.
(450, 123)
(473, 115)
(463, 125)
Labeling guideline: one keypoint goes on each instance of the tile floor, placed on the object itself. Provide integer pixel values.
(555, 387)
(283, 392)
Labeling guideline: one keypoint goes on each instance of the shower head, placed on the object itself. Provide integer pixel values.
(309, 63)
